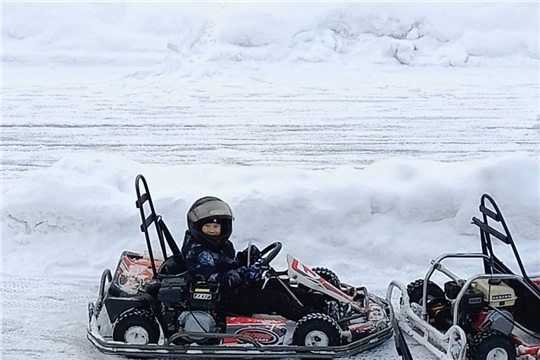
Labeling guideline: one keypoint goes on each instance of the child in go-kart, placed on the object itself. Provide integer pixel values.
(210, 256)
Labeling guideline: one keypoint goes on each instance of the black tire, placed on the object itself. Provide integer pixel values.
(415, 291)
(317, 330)
(328, 275)
(490, 341)
(139, 325)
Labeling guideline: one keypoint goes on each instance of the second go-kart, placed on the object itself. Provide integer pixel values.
(493, 315)
(150, 306)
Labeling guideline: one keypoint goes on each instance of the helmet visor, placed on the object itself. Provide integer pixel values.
(208, 209)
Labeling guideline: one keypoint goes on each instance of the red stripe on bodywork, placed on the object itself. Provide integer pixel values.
(242, 320)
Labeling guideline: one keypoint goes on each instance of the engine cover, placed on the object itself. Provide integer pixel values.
(501, 320)
(497, 295)
(198, 322)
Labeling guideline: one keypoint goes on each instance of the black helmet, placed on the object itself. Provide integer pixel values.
(210, 209)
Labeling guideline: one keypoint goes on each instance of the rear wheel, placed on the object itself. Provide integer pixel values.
(491, 345)
(317, 330)
(137, 327)
(328, 275)
(416, 288)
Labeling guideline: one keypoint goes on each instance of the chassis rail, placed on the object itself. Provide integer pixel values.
(252, 348)
(450, 345)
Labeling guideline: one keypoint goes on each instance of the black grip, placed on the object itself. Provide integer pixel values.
(495, 216)
(490, 230)
(140, 201)
(149, 220)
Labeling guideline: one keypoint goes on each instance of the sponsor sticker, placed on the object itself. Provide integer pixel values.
(262, 336)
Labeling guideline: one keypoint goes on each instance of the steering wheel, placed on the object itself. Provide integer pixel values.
(269, 253)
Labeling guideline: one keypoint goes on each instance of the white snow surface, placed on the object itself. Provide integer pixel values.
(360, 135)
(216, 34)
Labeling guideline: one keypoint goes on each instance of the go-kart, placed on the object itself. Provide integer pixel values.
(488, 316)
(151, 306)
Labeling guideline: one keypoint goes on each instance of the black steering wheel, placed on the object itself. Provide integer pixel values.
(269, 253)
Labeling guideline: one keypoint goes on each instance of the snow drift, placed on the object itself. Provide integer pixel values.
(390, 218)
(185, 35)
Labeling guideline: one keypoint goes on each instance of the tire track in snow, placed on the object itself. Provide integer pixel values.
(294, 126)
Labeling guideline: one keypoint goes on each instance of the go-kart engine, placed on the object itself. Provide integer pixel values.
(500, 320)
(197, 321)
(496, 293)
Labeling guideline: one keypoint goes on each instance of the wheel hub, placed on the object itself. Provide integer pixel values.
(317, 338)
(136, 335)
(497, 354)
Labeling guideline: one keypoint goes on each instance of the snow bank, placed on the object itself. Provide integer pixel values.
(182, 36)
(391, 218)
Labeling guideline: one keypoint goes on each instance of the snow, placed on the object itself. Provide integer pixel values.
(448, 34)
(360, 135)
(390, 215)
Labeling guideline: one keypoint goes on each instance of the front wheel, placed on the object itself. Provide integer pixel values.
(491, 345)
(137, 327)
(317, 330)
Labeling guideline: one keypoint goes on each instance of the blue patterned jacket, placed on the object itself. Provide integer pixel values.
(220, 267)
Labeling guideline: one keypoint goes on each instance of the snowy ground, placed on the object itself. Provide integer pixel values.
(354, 162)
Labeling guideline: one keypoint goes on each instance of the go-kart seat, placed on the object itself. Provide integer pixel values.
(174, 265)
